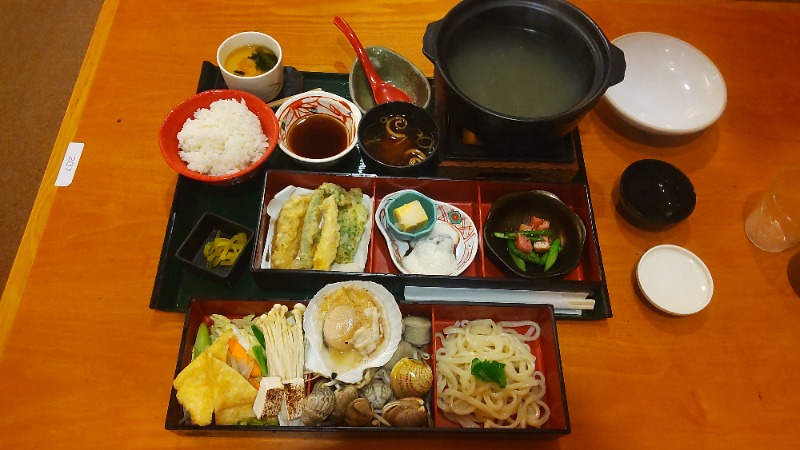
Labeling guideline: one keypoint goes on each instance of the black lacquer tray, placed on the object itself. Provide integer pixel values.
(175, 284)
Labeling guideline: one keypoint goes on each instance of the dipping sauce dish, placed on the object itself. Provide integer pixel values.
(317, 128)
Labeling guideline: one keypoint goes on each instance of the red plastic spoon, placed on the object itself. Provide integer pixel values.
(381, 90)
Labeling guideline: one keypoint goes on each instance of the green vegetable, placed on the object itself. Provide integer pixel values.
(268, 421)
(512, 252)
(259, 335)
(552, 254)
(534, 235)
(489, 371)
(261, 359)
(258, 350)
(530, 257)
(264, 60)
(202, 341)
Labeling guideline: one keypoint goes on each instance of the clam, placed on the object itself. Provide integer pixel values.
(342, 399)
(406, 412)
(411, 378)
(404, 350)
(318, 405)
(351, 326)
(377, 393)
(358, 413)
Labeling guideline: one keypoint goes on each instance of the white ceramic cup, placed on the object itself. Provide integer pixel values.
(265, 86)
(774, 224)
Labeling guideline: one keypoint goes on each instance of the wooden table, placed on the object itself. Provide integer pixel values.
(85, 363)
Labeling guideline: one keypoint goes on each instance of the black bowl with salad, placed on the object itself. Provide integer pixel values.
(533, 234)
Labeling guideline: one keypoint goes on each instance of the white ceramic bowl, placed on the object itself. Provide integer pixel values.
(670, 87)
(674, 280)
(309, 103)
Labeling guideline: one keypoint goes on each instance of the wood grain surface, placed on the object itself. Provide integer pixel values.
(84, 363)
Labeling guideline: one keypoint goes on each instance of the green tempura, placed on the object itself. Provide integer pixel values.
(352, 220)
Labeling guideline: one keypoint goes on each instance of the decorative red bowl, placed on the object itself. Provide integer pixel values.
(173, 123)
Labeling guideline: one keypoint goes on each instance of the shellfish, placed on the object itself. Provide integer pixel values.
(351, 326)
(318, 405)
(342, 399)
(406, 412)
(411, 378)
(404, 350)
(377, 393)
(358, 413)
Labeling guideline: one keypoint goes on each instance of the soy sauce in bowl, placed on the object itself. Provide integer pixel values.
(317, 136)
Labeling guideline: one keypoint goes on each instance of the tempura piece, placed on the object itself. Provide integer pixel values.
(308, 235)
(340, 195)
(352, 220)
(288, 226)
(325, 253)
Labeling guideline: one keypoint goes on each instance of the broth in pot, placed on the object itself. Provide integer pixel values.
(516, 72)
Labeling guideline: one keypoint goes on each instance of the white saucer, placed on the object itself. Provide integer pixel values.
(674, 280)
(460, 224)
(669, 88)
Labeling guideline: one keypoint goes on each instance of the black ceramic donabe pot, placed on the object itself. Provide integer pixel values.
(601, 64)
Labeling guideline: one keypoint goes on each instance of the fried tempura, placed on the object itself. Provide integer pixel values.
(308, 235)
(325, 252)
(303, 240)
(288, 226)
(352, 220)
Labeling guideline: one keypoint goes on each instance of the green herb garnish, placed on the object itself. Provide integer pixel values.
(489, 371)
(264, 60)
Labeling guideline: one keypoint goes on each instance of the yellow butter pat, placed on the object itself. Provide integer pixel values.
(411, 216)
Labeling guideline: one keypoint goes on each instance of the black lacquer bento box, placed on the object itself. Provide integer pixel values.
(545, 349)
(176, 283)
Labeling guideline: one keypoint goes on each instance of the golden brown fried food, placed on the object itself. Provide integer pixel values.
(288, 226)
(325, 252)
(308, 235)
(352, 220)
(208, 385)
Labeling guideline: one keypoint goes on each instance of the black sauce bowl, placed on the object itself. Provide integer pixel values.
(655, 195)
(415, 115)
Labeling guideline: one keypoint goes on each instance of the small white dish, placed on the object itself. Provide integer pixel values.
(674, 280)
(670, 87)
(449, 218)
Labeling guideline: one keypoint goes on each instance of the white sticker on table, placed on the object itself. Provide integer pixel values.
(70, 164)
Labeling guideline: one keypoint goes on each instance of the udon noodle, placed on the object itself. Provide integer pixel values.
(471, 402)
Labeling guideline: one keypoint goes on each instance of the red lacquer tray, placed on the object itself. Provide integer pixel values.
(545, 349)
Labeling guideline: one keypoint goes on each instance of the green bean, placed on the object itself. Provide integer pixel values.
(552, 254)
(536, 234)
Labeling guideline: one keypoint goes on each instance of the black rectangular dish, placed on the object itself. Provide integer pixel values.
(175, 284)
(545, 349)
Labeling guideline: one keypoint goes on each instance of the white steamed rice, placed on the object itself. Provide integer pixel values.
(223, 139)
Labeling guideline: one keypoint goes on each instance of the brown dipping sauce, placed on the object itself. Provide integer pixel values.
(317, 136)
(398, 141)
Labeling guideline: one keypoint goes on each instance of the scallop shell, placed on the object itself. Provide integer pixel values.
(318, 356)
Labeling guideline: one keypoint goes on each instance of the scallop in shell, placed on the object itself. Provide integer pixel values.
(350, 327)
